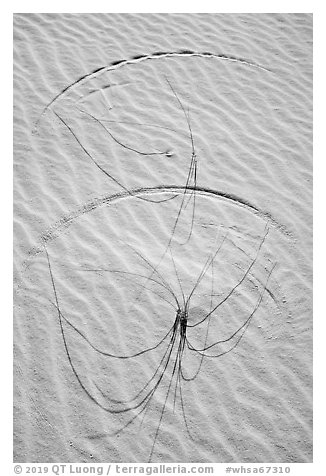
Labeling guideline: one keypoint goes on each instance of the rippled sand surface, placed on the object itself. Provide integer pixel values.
(114, 115)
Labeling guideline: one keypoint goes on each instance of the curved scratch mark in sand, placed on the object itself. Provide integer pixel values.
(137, 59)
(62, 224)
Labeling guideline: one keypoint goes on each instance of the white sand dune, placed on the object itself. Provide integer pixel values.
(102, 155)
